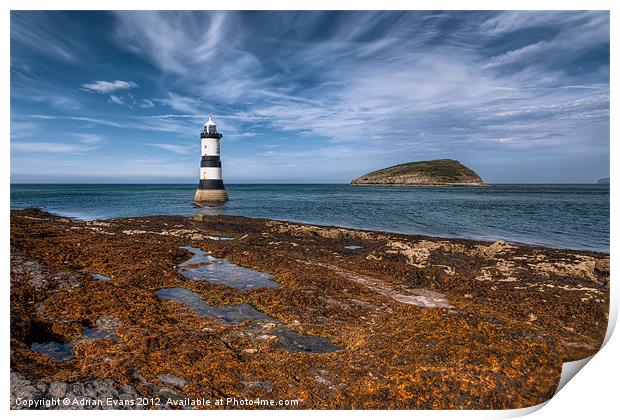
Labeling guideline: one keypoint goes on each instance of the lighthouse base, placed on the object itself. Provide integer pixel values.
(210, 196)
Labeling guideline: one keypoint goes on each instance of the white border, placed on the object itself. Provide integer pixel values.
(592, 394)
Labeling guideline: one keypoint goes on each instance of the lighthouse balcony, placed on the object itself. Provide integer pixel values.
(206, 135)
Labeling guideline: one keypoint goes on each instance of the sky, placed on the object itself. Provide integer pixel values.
(308, 97)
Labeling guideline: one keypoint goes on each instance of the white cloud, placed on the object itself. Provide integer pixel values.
(117, 100)
(521, 55)
(104, 87)
(112, 91)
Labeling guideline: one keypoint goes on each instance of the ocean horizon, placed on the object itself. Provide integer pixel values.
(565, 216)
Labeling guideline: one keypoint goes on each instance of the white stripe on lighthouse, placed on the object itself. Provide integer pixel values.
(210, 147)
(210, 173)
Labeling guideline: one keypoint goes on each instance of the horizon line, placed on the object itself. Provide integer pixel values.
(301, 183)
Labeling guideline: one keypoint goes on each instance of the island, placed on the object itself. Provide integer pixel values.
(423, 173)
(603, 181)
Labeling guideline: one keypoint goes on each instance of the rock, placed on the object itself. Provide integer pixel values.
(416, 256)
(267, 337)
(172, 380)
(23, 389)
(492, 250)
(108, 322)
(584, 267)
(100, 390)
(128, 393)
(57, 389)
(198, 217)
(104, 389)
(164, 393)
(250, 351)
(265, 386)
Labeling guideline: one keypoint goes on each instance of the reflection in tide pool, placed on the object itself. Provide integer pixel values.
(230, 314)
(54, 350)
(203, 267)
(235, 314)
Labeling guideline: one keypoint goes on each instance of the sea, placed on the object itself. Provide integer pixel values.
(559, 216)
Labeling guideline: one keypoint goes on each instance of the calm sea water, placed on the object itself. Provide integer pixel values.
(561, 216)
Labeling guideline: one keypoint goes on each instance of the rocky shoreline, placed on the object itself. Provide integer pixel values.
(168, 308)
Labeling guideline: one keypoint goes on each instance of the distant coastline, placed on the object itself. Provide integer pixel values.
(603, 181)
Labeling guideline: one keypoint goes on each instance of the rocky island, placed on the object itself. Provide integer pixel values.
(422, 173)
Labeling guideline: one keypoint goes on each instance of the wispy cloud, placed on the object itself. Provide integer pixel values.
(23, 129)
(43, 147)
(104, 87)
(175, 148)
(29, 88)
(31, 30)
(181, 103)
(89, 138)
(147, 103)
(189, 45)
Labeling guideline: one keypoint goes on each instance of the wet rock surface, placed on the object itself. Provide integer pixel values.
(415, 322)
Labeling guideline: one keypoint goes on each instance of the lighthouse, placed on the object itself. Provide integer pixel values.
(211, 187)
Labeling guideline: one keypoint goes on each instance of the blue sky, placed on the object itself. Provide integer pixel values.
(308, 97)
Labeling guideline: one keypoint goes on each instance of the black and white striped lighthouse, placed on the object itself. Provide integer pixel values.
(211, 187)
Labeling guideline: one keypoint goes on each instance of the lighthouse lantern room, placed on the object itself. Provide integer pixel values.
(211, 187)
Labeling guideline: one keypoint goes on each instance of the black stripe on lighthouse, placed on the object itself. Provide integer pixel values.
(211, 184)
(210, 162)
